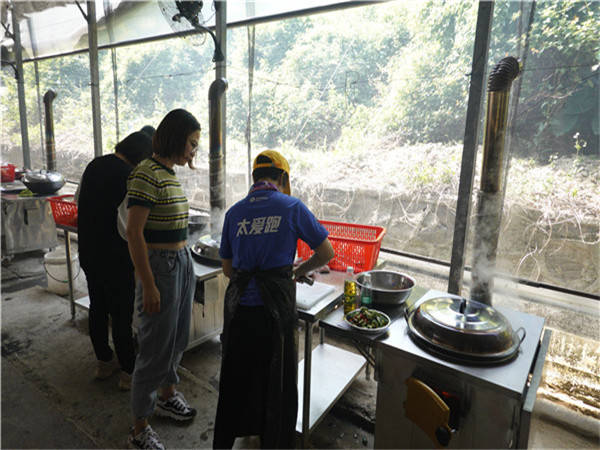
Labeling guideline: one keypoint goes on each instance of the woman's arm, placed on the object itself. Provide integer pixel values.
(136, 220)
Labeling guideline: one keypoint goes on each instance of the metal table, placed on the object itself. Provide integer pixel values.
(207, 308)
(335, 368)
(67, 230)
(335, 325)
(27, 224)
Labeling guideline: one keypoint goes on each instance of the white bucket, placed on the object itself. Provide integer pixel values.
(55, 264)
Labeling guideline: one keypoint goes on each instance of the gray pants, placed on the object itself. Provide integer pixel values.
(162, 336)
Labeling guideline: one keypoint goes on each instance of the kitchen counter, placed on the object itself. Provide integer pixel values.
(27, 224)
(335, 368)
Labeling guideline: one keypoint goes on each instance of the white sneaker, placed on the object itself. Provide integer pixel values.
(176, 408)
(146, 439)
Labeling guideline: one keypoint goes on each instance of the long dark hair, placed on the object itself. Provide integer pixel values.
(135, 147)
(171, 135)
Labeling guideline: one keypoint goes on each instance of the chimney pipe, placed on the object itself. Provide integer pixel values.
(490, 198)
(49, 97)
(216, 157)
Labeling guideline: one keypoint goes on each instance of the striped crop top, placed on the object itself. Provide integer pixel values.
(155, 186)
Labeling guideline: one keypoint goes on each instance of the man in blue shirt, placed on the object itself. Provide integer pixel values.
(258, 386)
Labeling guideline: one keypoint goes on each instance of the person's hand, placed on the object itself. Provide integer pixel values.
(151, 299)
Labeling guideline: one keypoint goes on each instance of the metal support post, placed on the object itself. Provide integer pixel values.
(94, 76)
(20, 84)
(467, 170)
(308, 328)
(70, 273)
(221, 72)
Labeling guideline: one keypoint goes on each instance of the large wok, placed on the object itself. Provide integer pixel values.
(43, 182)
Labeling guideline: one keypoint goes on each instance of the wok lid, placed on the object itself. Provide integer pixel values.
(207, 249)
(464, 330)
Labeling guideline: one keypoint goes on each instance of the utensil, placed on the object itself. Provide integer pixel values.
(197, 223)
(43, 182)
(207, 249)
(387, 287)
(364, 329)
(464, 330)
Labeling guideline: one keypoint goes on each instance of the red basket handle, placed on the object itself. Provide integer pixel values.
(61, 197)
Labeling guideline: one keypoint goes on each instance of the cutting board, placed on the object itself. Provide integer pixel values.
(307, 296)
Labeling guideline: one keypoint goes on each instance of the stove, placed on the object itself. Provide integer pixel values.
(425, 400)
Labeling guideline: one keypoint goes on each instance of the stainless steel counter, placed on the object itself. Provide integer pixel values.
(335, 368)
(27, 224)
(511, 378)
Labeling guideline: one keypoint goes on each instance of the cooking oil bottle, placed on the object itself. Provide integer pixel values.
(350, 291)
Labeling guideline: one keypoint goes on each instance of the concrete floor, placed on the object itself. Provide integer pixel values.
(50, 399)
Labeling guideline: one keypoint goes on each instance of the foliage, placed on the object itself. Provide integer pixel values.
(396, 72)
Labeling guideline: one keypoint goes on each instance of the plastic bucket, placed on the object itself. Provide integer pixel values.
(55, 264)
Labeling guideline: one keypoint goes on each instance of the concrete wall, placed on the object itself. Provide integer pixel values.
(560, 250)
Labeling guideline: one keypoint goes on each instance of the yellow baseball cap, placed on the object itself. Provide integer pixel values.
(277, 161)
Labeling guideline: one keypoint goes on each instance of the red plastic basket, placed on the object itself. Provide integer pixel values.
(8, 172)
(355, 245)
(64, 212)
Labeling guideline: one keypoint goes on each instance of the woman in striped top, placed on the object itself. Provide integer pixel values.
(165, 282)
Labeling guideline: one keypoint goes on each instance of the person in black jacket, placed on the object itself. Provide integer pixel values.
(104, 255)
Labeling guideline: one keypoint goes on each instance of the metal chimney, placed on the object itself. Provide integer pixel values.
(216, 157)
(490, 198)
(49, 97)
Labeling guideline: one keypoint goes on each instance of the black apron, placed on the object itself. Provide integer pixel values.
(258, 392)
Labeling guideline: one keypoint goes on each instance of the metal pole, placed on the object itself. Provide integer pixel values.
(221, 73)
(33, 39)
(467, 170)
(108, 20)
(94, 76)
(21, 85)
(251, 31)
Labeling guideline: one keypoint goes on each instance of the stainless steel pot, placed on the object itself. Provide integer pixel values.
(207, 250)
(43, 182)
(462, 330)
(388, 287)
(197, 223)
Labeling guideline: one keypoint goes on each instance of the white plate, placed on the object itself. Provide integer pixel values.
(368, 330)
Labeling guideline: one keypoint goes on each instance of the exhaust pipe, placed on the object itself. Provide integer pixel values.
(490, 198)
(49, 97)
(216, 159)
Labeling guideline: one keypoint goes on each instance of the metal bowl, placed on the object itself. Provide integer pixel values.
(388, 287)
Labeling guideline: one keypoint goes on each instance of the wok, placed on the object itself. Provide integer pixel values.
(43, 182)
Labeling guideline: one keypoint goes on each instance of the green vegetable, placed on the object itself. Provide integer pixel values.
(367, 318)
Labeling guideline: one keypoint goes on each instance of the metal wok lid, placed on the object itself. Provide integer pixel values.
(207, 249)
(43, 176)
(464, 330)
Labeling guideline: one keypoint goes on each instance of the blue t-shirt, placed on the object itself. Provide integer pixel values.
(261, 232)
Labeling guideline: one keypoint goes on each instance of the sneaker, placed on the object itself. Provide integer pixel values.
(146, 439)
(124, 381)
(105, 369)
(176, 408)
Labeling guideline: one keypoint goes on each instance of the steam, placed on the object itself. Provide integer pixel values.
(217, 217)
(487, 230)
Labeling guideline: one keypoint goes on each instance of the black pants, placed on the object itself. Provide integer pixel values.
(111, 296)
(243, 386)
